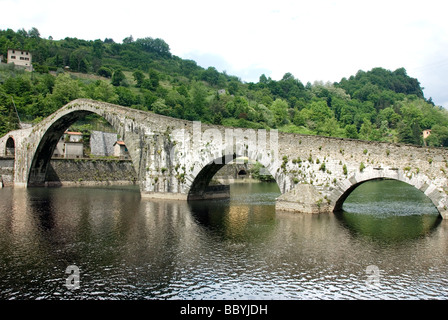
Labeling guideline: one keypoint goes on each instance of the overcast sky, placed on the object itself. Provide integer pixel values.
(321, 40)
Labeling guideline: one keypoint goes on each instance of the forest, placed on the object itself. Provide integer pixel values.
(377, 104)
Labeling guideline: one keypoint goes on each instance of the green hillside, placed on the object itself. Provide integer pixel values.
(378, 104)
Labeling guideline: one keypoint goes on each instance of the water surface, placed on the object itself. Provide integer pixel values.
(131, 248)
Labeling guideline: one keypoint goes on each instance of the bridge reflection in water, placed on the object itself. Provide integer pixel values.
(132, 248)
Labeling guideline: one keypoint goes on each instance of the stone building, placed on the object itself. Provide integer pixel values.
(20, 58)
(70, 145)
(120, 150)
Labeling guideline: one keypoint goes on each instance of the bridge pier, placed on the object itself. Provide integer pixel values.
(304, 198)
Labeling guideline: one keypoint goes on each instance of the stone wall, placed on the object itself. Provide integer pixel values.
(102, 143)
(6, 172)
(90, 172)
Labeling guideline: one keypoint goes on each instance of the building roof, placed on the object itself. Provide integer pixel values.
(15, 49)
(73, 133)
(121, 143)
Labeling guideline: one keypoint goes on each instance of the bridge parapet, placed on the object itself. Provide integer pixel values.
(176, 159)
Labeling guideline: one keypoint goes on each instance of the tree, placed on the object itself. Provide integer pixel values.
(8, 119)
(211, 75)
(105, 72)
(98, 49)
(263, 79)
(157, 46)
(34, 33)
(126, 97)
(105, 92)
(351, 132)
(154, 79)
(329, 127)
(198, 99)
(217, 118)
(78, 61)
(160, 107)
(280, 110)
(233, 87)
(118, 77)
(438, 136)
(65, 90)
(128, 40)
(138, 77)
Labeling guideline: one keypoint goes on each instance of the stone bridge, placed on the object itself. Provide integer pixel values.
(176, 159)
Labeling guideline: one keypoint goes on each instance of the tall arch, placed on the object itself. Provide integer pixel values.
(45, 149)
(40, 163)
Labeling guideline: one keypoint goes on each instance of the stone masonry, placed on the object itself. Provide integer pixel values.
(176, 159)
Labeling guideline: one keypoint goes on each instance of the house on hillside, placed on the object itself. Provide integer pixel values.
(70, 146)
(120, 150)
(21, 58)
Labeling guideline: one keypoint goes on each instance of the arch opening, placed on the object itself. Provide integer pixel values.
(215, 178)
(242, 172)
(61, 145)
(10, 149)
(385, 196)
(388, 210)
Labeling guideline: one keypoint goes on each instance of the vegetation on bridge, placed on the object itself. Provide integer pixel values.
(379, 104)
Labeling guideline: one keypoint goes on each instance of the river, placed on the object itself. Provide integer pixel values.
(388, 243)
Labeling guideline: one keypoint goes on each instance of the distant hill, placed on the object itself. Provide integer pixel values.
(378, 104)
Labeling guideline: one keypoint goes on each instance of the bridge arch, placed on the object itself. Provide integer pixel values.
(199, 186)
(10, 148)
(421, 183)
(57, 124)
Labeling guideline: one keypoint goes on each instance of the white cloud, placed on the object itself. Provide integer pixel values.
(314, 40)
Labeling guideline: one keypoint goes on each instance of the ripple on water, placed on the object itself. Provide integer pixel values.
(132, 249)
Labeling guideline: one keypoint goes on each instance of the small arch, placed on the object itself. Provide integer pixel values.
(242, 172)
(10, 149)
(339, 203)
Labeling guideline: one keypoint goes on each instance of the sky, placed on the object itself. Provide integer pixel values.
(320, 40)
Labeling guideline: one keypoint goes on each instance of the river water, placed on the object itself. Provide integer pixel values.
(389, 243)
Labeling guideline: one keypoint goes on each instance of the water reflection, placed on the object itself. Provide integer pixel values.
(131, 248)
(248, 215)
(389, 210)
(394, 228)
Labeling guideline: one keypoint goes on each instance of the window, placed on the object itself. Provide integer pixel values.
(13, 57)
